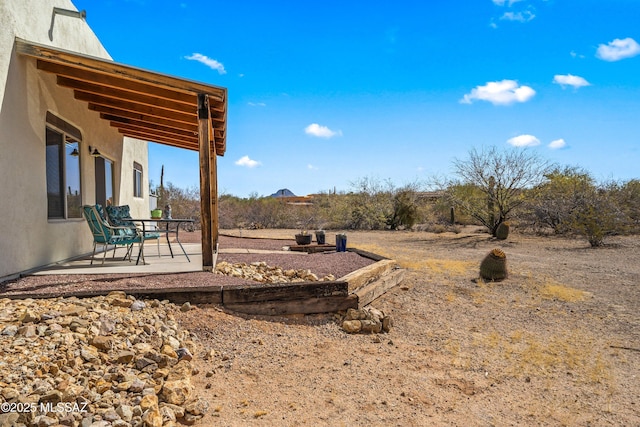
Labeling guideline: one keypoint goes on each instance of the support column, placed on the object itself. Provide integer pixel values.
(208, 185)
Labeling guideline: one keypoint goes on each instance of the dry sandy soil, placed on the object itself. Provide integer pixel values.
(557, 343)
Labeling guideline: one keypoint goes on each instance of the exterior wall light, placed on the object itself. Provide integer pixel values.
(94, 152)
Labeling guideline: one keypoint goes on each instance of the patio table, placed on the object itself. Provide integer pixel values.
(166, 231)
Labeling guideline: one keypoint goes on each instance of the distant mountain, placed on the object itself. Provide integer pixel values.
(285, 192)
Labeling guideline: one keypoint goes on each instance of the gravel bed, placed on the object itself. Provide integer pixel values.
(322, 264)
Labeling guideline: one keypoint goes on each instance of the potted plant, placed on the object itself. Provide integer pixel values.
(303, 238)
(320, 238)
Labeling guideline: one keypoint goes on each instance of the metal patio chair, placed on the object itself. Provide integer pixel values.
(120, 216)
(106, 235)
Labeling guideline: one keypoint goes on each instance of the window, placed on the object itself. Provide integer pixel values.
(137, 180)
(104, 181)
(64, 198)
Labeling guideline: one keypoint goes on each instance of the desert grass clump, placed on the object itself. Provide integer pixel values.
(552, 290)
(494, 266)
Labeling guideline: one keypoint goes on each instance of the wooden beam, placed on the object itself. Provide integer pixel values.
(125, 95)
(213, 177)
(207, 191)
(106, 66)
(109, 84)
(159, 139)
(147, 125)
(114, 82)
(301, 306)
(379, 287)
(261, 292)
(134, 107)
(162, 139)
(157, 130)
(365, 275)
(108, 113)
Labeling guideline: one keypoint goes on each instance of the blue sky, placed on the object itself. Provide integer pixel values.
(322, 94)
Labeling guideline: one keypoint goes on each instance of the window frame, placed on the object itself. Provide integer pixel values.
(66, 135)
(104, 180)
(138, 175)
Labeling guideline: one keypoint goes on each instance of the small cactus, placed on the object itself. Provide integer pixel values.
(502, 231)
(494, 266)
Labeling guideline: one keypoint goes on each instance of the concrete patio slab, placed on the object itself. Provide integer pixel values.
(115, 265)
(153, 263)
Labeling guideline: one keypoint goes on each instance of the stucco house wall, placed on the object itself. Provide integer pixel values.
(29, 239)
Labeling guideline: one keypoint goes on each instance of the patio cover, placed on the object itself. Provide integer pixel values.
(152, 107)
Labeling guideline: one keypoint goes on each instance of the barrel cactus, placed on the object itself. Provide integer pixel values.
(494, 266)
(502, 231)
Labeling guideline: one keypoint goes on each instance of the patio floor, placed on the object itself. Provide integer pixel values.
(115, 265)
(153, 263)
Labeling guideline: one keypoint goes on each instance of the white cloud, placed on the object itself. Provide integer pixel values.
(315, 129)
(524, 141)
(557, 144)
(503, 2)
(618, 49)
(247, 162)
(311, 167)
(504, 92)
(256, 104)
(525, 16)
(209, 62)
(570, 80)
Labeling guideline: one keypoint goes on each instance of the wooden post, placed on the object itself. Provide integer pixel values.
(213, 179)
(207, 187)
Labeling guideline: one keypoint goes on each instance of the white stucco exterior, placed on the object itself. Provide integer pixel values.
(29, 239)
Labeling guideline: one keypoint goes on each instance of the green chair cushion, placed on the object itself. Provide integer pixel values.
(120, 216)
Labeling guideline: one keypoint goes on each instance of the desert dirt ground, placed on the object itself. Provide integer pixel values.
(557, 343)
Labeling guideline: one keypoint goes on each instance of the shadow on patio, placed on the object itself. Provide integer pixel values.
(116, 265)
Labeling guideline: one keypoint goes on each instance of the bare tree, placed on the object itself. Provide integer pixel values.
(490, 183)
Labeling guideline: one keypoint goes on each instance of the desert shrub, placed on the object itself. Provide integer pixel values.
(372, 204)
(570, 202)
(551, 205)
(185, 202)
(405, 209)
(596, 216)
(438, 228)
(627, 197)
(333, 211)
(439, 212)
(258, 212)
